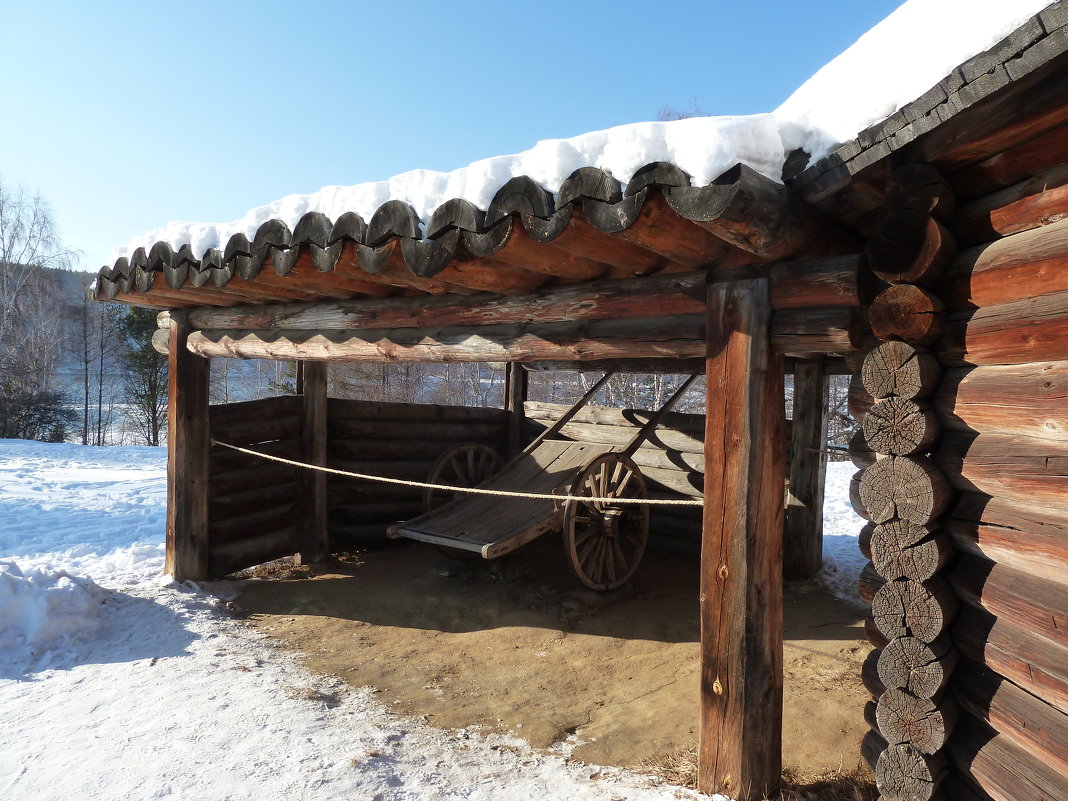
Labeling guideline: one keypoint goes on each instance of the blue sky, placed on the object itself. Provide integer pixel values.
(125, 116)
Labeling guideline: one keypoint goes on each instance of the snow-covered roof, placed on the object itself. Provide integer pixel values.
(866, 88)
(863, 85)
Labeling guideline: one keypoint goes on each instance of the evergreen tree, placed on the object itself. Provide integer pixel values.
(145, 378)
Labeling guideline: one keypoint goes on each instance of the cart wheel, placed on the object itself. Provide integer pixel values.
(466, 465)
(604, 541)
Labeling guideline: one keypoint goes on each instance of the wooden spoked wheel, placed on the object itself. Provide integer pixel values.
(605, 541)
(466, 465)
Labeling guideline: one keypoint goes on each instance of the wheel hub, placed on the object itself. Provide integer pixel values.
(611, 521)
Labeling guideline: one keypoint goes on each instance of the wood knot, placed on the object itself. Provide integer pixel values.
(717, 688)
(723, 572)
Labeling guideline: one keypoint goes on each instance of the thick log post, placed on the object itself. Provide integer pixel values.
(315, 532)
(803, 537)
(188, 441)
(741, 553)
(515, 395)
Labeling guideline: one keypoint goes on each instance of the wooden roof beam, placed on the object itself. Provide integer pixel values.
(758, 215)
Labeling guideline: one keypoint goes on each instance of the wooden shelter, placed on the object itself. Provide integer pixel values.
(931, 251)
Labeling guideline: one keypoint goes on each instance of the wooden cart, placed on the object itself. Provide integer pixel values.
(604, 542)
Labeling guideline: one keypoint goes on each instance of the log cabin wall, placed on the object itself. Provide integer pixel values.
(965, 480)
(396, 440)
(254, 506)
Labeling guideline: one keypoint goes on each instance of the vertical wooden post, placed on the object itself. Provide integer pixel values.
(315, 531)
(516, 381)
(803, 537)
(188, 441)
(741, 549)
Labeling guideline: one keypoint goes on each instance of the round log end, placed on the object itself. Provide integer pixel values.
(910, 488)
(910, 246)
(908, 313)
(903, 772)
(897, 369)
(900, 427)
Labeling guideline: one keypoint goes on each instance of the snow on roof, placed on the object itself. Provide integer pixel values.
(890, 65)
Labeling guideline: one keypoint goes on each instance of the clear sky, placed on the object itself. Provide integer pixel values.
(127, 115)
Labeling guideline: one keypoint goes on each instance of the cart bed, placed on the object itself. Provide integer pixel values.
(494, 525)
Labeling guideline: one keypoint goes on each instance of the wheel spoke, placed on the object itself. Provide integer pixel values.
(583, 550)
(584, 536)
(621, 487)
(459, 471)
(590, 558)
(609, 559)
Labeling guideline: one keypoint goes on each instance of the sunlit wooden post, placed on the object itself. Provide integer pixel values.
(741, 551)
(187, 456)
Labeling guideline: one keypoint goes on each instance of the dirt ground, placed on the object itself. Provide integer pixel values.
(517, 645)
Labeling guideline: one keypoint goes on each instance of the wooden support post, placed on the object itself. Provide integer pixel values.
(803, 537)
(515, 395)
(298, 377)
(315, 530)
(741, 551)
(188, 441)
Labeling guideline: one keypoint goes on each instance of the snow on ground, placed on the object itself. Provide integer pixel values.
(842, 559)
(116, 683)
(851, 93)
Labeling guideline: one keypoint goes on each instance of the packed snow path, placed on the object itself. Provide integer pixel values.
(116, 683)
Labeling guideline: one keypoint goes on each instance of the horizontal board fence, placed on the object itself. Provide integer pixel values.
(254, 506)
(395, 440)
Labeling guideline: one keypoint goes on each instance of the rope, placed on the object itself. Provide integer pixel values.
(468, 490)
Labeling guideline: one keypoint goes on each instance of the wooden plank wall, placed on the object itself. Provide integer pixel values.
(972, 679)
(254, 506)
(396, 440)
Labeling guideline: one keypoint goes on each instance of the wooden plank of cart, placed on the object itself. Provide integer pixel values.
(603, 541)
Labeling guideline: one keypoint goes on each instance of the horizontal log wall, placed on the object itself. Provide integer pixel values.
(254, 506)
(395, 440)
(1002, 407)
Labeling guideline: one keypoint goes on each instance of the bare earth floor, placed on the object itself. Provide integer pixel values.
(517, 645)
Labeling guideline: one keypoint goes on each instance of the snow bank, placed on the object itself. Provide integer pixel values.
(89, 511)
(42, 611)
(863, 85)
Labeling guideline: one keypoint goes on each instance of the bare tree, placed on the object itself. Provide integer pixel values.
(668, 113)
(30, 328)
(28, 243)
